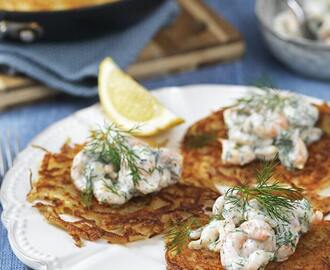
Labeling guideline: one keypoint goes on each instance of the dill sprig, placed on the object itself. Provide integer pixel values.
(270, 99)
(111, 187)
(276, 199)
(110, 144)
(216, 217)
(264, 81)
(177, 236)
(200, 140)
(86, 196)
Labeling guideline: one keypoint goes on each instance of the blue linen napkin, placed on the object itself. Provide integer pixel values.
(72, 66)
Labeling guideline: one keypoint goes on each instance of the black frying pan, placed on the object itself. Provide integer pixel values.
(73, 24)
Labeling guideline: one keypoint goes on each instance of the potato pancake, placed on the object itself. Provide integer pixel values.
(55, 196)
(312, 253)
(202, 165)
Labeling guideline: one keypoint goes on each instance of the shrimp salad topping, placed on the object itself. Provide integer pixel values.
(114, 167)
(247, 237)
(267, 124)
(318, 18)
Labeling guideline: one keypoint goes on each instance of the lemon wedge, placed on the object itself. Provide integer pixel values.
(130, 105)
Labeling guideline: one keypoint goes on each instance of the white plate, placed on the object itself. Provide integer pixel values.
(43, 246)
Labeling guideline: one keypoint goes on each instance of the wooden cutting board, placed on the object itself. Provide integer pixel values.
(197, 37)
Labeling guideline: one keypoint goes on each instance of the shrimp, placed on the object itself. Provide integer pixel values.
(218, 205)
(261, 237)
(86, 168)
(257, 229)
(253, 245)
(250, 239)
(211, 235)
(238, 136)
(317, 217)
(310, 135)
(172, 161)
(78, 171)
(254, 212)
(232, 118)
(105, 194)
(292, 150)
(256, 126)
(196, 234)
(266, 152)
(157, 168)
(324, 32)
(232, 213)
(258, 259)
(285, 251)
(299, 153)
(286, 24)
(226, 227)
(230, 251)
(270, 128)
(160, 168)
(234, 154)
(208, 237)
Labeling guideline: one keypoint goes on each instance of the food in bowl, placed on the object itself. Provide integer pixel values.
(50, 5)
(318, 19)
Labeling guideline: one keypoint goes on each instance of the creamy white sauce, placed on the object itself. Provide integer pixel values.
(318, 16)
(264, 125)
(247, 238)
(158, 168)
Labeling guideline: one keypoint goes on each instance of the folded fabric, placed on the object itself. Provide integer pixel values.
(72, 66)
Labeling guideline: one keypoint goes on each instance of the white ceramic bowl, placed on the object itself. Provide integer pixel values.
(301, 55)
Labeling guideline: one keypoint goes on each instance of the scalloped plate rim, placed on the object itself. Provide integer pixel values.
(10, 205)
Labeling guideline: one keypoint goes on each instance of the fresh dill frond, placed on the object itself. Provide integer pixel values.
(110, 144)
(277, 199)
(111, 187)
(264, 81)
(269, 99)
(86, 196)
(216, 217)
(177, 237)
(266, 172)
(200, 140)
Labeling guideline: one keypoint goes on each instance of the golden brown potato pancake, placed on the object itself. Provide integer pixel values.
(312, 253)
(140, 218)
(202, 165)
(48, 5)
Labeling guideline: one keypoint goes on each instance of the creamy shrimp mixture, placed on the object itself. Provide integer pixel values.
(267, 124)
(248, 238)
(157, 169)
(318, 16)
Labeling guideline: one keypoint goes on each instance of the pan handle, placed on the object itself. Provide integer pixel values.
(26, 32)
